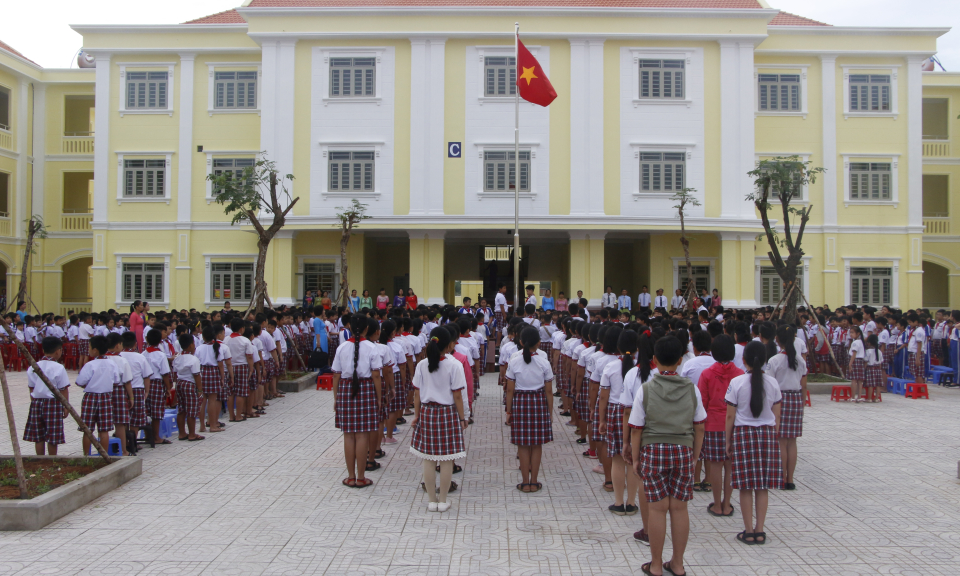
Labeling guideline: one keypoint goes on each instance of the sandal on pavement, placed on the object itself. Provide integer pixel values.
(196, 439)
(349, 482)
(608, 486)
(535, 487)
(363, 482)
(760, 538)
(743, 538)
(521, 486)
(646, 570)
(372, 466)
(379, 453)
(666, 566)
(712, 513)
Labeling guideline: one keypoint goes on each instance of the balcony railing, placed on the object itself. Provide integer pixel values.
(6, 139)
(6, 225)
(75, 222)
(936, 225)
(936, 148)
(78, 143)
(77, 307)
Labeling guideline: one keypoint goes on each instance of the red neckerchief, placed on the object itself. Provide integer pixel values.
(668, 373)
(405, 333)
(235, 334)
(653, 365)
(704, 353)
(112, 354)
(153, 349)
(351, 340)
(219, 341)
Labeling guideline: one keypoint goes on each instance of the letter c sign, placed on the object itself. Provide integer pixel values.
(453, 150)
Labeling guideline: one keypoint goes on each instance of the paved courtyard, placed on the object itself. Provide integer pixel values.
(877, 494)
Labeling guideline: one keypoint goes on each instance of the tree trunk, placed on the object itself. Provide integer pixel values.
(344, 283)
(17, 457)
(789, 277)
(22, 292)
(259, 285)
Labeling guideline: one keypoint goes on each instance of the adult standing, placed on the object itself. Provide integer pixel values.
(411, 299)
(660, 302)
(644, 299)
(400, 300)
(137, 321)
(609, 299)
(366, 301)
(325, 301)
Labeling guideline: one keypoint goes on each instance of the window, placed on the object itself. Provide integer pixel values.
(499, 170)
(319, 277)
(500, 76)
(4, 195)
(775, 192)
(4, 108)
(661, 79)
(235, 90)
(144, 178)
(871, 286)
(143, 282)
(146, 90)
(701, 278)
(233, 168)
(779, 92)
(661, 171)
(351, 171)
(353, 77)
(231, 281)
(771, 286)
(869, 92)
(870, 181)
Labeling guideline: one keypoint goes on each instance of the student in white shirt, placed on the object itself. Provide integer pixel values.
(500, 309)
(874, 377)
(189, 391)
(242, 353)
(45, 421)
(97, 378)
(611, 424)
(530, 397)
(84, 334)
(142, 375)
(790, 371)
(211, 356)
(123, 393)
(160, 384)
(856, 370)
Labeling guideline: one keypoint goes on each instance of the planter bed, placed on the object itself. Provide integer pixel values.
(61, 485)
(297, 381)
(824, 383)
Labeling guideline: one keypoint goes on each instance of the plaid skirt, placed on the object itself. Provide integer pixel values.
(356, 414)
(840, 352)
(399, 400)
(614, 436)
(531, 423)
(582, 402)
(888, 355)
(83, 347)
(270, 369)
(45, 422)
(756, 459)
(240, 385)
(121, 406)
(96, 411)
(791, 414)
(483, 360)
(714, 447)
(138, 415)
(32, 348)
(254, 380)
(188, 401)
(333, 342)
(595, 435)
(155, 403)
(917, 366)
(499, 319)
(559, 378)
(874, 377)
(546, 348)
(667, 470)
(210, 380)
(856, 369)
(438, 435)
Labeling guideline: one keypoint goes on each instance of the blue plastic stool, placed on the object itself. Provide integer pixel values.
(897, 385)
(168, 425)
(113, 449)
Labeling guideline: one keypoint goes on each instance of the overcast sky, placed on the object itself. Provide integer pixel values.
(41, 30)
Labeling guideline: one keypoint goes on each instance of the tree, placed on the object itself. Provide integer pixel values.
(349, 218)
(683, 199)
(258, 192)
(784, 177)
(35, 231)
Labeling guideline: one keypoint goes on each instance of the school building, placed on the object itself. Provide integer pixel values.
(408, 106)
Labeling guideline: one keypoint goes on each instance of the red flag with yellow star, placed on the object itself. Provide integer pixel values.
(531, 81)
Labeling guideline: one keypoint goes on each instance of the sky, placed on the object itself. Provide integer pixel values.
(42, 31)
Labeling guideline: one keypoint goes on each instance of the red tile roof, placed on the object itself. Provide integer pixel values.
(732, 4)
(9, 48)
(225, 17)
(788, 19)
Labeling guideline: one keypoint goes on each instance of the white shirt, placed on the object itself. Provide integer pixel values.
(56, 374)
(940, 330)
(466, 351)
(158, 362)
(240, 346)
(438, 386)
(369, 361)
(600, 361)
(471, 345)
(126, 373)
(141, 368)
(500, 303)
(268, 343)
(72, 333)
(507, 350)
(779, 368)
(530, 376)
(532, 321)
(644, 299)
(873, 357)
(632, 383)
(660, 302)
(917, 339)
(638, 417)
(856, 349)
(558, 339)
(677, 302)
(186, 367)
(98, 376)
(86, 331)
(206, 355)
(738, 357)
(800, 344)
(612, 378)
(609, 300)
(398, 356)
(532, 299)
(694, 367)
(738, 394)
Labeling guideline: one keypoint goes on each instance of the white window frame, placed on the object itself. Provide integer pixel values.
(764, 262)
(350, 52)
(145, 156)
(375, 147)
(208, 299)
(146, 67)
(805, 189)
(638, 54)
(638, 147)
(893, 159)
(214, 67)
(516, 162)
(496, 52)
(680, 262)
(137, 258)
(9, 92)
(483, 147)
(892, 70)
(316, 259)
(208, 185)
(800, 69)
(874, 262)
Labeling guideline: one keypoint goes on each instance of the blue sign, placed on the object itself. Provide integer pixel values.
(453, 150)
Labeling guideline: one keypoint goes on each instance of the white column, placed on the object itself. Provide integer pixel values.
(185, 153)
(101, 139)
(914, 78)
(586, 126)
(427, 149)
(277, 102)
(39, 145)
(22, 165)
(828, 66)
(736, 128)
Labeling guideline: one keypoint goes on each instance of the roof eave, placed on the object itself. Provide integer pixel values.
(134, 28)
(859, 30)
(541, 10)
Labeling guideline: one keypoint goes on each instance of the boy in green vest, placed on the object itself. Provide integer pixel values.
(667, 424)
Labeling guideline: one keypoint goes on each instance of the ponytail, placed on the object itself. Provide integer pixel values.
(644, 354)
(787, 337)
(439, 340)
(627, 344)
(358, 325)
(754, 356)
(210, 336)
(529, 339)
(768, 332)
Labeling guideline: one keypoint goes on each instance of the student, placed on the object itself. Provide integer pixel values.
(611, 423)
(857, 364)
(439, 418)
(530, 406)
(45, 420)
(753, 416)
(466, 308)
(666, 424)
(160, 384)
(596, 364)
(873, 379)
(189, 390)
(142, 376)
(98, 378)
(507, 350)
(356, 378)
(123, 399)
(500, 309)
(713, 384)
(916, 348)
(386, 388)
(242, 352)
(254, 403)
(790, 372)
(632, 381)
(397, 398)
(210, 354)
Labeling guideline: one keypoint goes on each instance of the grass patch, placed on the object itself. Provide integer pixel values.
(824, 378)
(43, 475)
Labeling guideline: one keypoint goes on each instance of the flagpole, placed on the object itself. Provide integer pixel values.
(516, 174)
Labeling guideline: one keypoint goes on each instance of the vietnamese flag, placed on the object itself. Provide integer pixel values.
(532, 82)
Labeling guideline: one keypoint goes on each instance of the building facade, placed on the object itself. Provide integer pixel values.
(409, 108)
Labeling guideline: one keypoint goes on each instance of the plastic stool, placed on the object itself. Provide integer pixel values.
(325, 382)
(947, 380)
(113, 449)
(916, 390)
(168, 425)
(896, 385)
(807, 401)
(840, 393)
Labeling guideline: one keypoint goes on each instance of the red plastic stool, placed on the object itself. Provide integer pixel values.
(916, 391)
(841, 393)
(325, 382)
(807, 401)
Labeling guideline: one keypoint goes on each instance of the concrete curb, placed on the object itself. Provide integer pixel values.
(302, 383)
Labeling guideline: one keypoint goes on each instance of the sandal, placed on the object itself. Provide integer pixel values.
(349, 482)
(712, 513)
(379, 453)
(521, 486)
(372, 466)
(608, 486)
(363, 482)
(182, 439)
(453, 487)
(581, 440)
(196, 439)
(757, 538)
(401, 420)
(536, 487)
(666, 566)
(743, 538)
(164, 441)
(646, 570)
